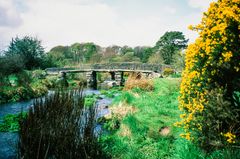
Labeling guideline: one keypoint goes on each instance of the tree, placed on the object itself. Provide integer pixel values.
(83, 52)
(61, 55)
(75, 54)
(170, 43)
(77, 51)
(210, 89)
(89, 50)
(155, 59)
(111, 54)
(125, 49)
(179, 60)
(9, 66)
(62, 51)
(96, 58)
(143, 53)
(129, 57)
(28, 49)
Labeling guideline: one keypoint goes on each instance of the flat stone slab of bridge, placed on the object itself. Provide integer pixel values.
(105, 70)
(111, 67)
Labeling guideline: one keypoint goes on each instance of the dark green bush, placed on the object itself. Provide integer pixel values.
(219, 114)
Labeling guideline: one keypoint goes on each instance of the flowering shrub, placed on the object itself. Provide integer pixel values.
(213, 70)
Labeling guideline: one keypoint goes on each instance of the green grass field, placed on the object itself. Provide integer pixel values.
(140, 135)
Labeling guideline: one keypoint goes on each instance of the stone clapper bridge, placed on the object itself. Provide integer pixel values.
(116, 71)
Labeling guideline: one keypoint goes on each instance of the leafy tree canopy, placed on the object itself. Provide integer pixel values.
(170, 43)
(125, 49)
(28, 50)
(60, 53)
(9, 65)
(143, 53)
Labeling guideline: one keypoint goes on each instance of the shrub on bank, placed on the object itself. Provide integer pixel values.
(38, 74)
(22, 86)
(11, 122)
(50, 81)
(14, 94)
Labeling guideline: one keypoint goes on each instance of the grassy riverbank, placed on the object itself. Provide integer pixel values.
(19, 93)
(141, 125)
(147, 128)
(22, 86)
(141, 130)
(30, 84)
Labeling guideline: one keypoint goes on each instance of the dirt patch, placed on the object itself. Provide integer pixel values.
(164, 131)
(136, 95)
(120, 110)
(124, 130)
(123, 109)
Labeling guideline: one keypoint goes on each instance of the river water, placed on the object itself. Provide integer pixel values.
(8, 140)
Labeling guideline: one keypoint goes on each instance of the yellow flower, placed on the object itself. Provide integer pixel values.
(230, 137)
(187, 136)
(190, 27)
(182, 115)
(227, 56)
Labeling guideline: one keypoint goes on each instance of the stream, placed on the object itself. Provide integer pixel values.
(8, 140)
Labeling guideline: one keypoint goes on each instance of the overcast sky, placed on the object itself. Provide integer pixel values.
(104, 22)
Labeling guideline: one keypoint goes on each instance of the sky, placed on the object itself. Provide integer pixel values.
(104, 22)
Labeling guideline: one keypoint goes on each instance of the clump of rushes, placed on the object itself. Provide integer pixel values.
(59, 126)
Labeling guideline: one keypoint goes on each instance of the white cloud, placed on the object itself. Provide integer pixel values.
(201, 4)
(63, 22)
(66, 23)
(170, 9)
(9, 16)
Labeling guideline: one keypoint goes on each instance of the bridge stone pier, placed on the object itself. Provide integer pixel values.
(92, 79)
(115, 76)
(119, 78)
(116, 71)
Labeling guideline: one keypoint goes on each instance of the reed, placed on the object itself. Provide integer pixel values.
(60, 126)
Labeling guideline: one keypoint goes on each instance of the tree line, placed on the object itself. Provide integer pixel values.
(27, 53)
(165, 51)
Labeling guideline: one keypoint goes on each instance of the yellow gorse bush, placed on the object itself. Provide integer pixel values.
(213, 61)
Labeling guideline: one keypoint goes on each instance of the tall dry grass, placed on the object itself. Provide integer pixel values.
(137, 80)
